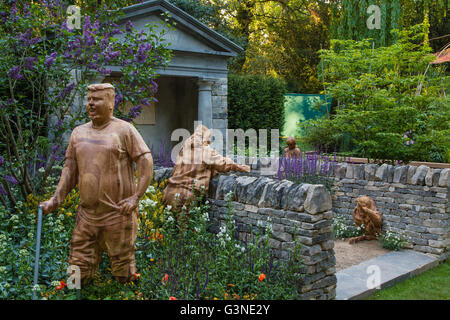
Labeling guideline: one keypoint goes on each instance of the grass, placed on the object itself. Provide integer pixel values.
(433, 284)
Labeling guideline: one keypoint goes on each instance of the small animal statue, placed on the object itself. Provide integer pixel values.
(292, 151)
(367, 217)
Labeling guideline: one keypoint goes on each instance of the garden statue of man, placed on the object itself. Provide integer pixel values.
(292, 151)
(367, 217)
(196, 163)
(99, 159)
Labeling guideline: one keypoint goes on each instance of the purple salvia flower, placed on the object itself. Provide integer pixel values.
(2, 160)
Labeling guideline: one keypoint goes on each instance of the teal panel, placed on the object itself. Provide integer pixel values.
(301, 107)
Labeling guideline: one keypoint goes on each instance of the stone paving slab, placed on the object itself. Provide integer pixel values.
(394, 267)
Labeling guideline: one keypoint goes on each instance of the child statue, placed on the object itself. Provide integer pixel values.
(292, 151)
(367, 217)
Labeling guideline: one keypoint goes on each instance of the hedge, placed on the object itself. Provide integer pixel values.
(255, 102)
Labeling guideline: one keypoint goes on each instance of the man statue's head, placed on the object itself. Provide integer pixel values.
(100, 104)
(290, 141)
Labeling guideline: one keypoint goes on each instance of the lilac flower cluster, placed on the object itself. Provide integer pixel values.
(135, 112)
(15, 74)
(67, 90)
(29, 63)
(9, 178)
(50, 59)
(142, 52)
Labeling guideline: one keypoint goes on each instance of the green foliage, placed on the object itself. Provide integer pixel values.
(46, 68)
(351, 21)
(176, 256)
(391, 240)
(255, 102)
(385, 102)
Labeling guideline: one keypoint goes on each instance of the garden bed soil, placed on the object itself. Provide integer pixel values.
(352, 254)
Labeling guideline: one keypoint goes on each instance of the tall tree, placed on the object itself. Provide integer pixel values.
(350, 19)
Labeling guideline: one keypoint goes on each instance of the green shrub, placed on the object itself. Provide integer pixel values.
(255, 102)
(342, 230)
(385, 104)
(391, 240)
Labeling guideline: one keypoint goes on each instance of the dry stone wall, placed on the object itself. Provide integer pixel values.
(296, 211)
(413, 201)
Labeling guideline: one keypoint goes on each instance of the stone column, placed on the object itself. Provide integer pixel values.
(205, 102)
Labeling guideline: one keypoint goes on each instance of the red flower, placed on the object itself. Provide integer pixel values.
(165, 279)
(261, 277)
(61, 285)
(137, 276)
(173, 298)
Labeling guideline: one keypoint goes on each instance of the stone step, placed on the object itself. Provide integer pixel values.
(353, 283)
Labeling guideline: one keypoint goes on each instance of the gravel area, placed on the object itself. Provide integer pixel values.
(352, 254)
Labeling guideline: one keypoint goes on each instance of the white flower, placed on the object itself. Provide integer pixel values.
(195, 181)
(177, 195)
(169, 207)
(41, 170)
(55, 283)
(170, 219)
(36, 287)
